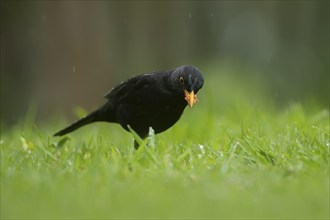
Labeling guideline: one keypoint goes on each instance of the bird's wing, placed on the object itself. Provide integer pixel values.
(129, 87)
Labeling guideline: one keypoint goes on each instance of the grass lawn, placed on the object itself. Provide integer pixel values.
(234, 155)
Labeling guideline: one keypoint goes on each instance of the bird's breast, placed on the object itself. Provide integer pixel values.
(158, 112)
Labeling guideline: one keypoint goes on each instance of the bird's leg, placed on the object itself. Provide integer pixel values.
(136, 145)
(150, 139)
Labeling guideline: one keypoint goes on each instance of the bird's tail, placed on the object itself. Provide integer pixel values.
(92, 117)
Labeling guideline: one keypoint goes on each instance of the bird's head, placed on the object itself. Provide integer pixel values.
(188, 80)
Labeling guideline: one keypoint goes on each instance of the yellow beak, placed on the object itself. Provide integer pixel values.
(190, 97)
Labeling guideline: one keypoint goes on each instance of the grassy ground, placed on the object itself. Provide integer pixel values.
(234, 155)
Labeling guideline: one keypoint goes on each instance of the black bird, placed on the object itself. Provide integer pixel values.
(155, 99)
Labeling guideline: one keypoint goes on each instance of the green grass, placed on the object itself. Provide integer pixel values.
(234, 155)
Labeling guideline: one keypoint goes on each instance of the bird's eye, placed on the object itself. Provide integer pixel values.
(181, 81)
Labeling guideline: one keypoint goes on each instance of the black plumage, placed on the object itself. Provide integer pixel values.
(155, 100)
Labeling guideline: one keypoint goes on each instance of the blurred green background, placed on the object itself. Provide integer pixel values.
(64, 54)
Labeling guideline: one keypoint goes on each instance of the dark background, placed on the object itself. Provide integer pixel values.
(63, 54)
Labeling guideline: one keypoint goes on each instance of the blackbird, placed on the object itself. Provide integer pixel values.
(155, 99)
